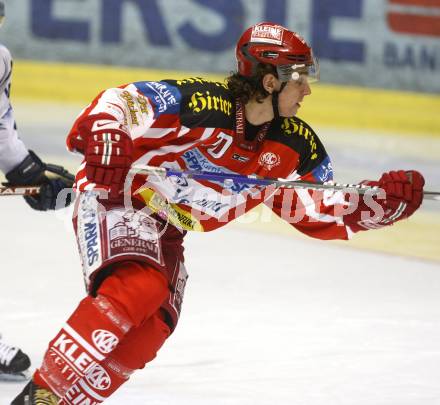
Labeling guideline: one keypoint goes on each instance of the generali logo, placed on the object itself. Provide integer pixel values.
(416, 17)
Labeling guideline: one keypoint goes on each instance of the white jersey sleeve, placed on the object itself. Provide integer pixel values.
(12, 149)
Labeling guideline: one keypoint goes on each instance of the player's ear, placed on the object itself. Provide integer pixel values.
(270, 83)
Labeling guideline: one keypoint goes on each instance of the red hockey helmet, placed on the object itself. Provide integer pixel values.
(276, 45)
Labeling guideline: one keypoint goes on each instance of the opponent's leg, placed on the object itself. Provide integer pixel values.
(14, 364)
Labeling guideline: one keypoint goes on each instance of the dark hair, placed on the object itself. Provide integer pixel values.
(245, 88)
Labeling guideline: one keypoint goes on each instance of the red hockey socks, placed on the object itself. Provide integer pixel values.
(126, 299)
(97, 385)
(89, 335)
(138, 347)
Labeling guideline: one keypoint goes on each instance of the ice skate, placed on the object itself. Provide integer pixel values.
(33, 394)
(14, 364)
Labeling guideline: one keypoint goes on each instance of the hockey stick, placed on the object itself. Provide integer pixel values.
(60, 171)
(265, 181)
(224, 177)
(19, 190)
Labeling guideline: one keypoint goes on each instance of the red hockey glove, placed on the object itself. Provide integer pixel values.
(108, 151)
(403, 196)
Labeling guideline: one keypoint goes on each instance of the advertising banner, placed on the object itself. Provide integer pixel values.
(375, 43)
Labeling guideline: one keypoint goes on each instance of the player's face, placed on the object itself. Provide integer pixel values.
(290, 99)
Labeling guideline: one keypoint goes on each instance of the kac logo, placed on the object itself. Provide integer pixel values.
(269, 160)
(99, 378)
(104, 340)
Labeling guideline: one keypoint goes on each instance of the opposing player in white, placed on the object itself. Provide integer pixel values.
(21, 167)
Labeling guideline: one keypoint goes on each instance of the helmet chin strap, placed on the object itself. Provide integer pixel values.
(275, 103)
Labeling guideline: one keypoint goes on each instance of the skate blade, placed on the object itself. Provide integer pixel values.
(19, 377)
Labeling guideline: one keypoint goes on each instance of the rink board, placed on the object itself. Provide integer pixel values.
(47, 97)
(340, 106)
(417, 237)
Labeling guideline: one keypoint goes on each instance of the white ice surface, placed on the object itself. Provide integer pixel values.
(267, 320)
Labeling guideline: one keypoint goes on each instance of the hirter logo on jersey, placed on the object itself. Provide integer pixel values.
(268, 33)
(269, 160)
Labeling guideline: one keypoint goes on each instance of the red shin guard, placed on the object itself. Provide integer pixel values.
(96, 386)
(138, 347)
(91, 333)
(128, 297)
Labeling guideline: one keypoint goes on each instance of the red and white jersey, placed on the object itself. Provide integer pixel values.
(192, 125)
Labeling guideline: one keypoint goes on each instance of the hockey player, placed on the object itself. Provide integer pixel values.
(132, 257)
(21, 167)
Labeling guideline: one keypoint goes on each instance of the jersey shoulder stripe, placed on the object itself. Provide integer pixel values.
(164, 97)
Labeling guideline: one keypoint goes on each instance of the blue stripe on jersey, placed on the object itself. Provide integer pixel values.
(323, 172)
(165, 98)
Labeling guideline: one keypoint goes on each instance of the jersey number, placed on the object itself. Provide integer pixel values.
(218, 149)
